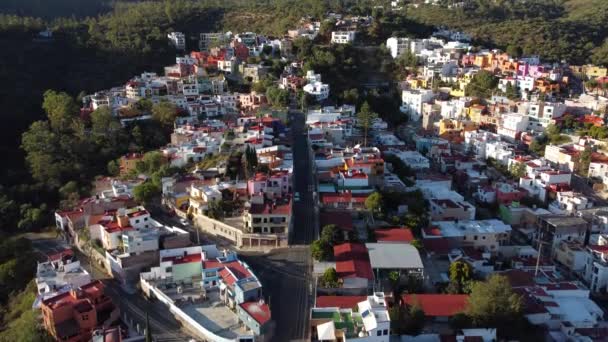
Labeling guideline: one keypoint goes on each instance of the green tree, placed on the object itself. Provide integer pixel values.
(373, 202)
(215, 210)
(493, 301)
(511, 92)
(321, 250)
(43, 154)
(365, 117)
(351, 96)
(164, 113)
(415, 319)
(461, 275)
(584, 161)
(60, 109)
(113, 168)
(277, 97)
(417, 244)
(329, 279)
(144, 193)
(517, 170)
(331, 234)
(482, 85)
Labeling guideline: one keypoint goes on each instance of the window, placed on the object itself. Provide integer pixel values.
(385, 332)
(379, 333)
(475, 238)
(145, 219)
(169, 269)
(85, 317)
(136, 221)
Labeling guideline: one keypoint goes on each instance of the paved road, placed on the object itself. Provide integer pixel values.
(164, 327)
(305, 228)
(285, 277)
(286, 274)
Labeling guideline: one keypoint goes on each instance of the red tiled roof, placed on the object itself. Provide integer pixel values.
(519, 278)
(211, 264)
(341, 219)
(437, 305)
(227, 276)
(352, 260)
(342, 302)
(346, 197)
(233, 271)
(183, 259)
(268, 208)
(258, 311)
(394, 235)
(438, 246)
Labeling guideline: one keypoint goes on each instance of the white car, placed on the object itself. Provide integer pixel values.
(296, 197)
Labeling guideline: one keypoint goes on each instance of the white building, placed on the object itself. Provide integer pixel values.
(61, 273)
(476, 142)
(412, 101)
(569, 202)
(178, 40)
(596, 268)
(500, 151)
(413, 159)
(398, 46)
(479, 234)
(343, 37)
(512, 125)
(371, 322)
(542, 114)
(320, 91)
(538, 182)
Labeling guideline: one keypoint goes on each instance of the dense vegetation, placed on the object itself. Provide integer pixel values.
(571, 30)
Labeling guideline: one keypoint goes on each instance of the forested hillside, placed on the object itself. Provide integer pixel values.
(571, 30)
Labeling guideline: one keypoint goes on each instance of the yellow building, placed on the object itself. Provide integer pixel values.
(416, 83)
(452, 130)
(595, 71)
(475, 112)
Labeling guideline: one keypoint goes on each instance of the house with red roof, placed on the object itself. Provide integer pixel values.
(438, 307)
(353, 265)
(269, 219)
(394, 235)
(344, 200)
(340, 218)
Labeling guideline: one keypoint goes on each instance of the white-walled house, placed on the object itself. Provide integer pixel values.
(398, 46)
(343, 37)
(412, 101)
(319, 90)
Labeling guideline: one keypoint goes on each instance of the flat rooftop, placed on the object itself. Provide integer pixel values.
(393, 256)
(455, 229)
(215, 317)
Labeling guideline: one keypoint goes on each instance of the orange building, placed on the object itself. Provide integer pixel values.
(129, 161)
(73, 316)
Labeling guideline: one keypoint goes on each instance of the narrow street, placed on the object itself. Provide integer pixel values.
(286, 274)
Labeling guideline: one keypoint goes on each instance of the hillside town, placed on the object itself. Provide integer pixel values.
(276, 211)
